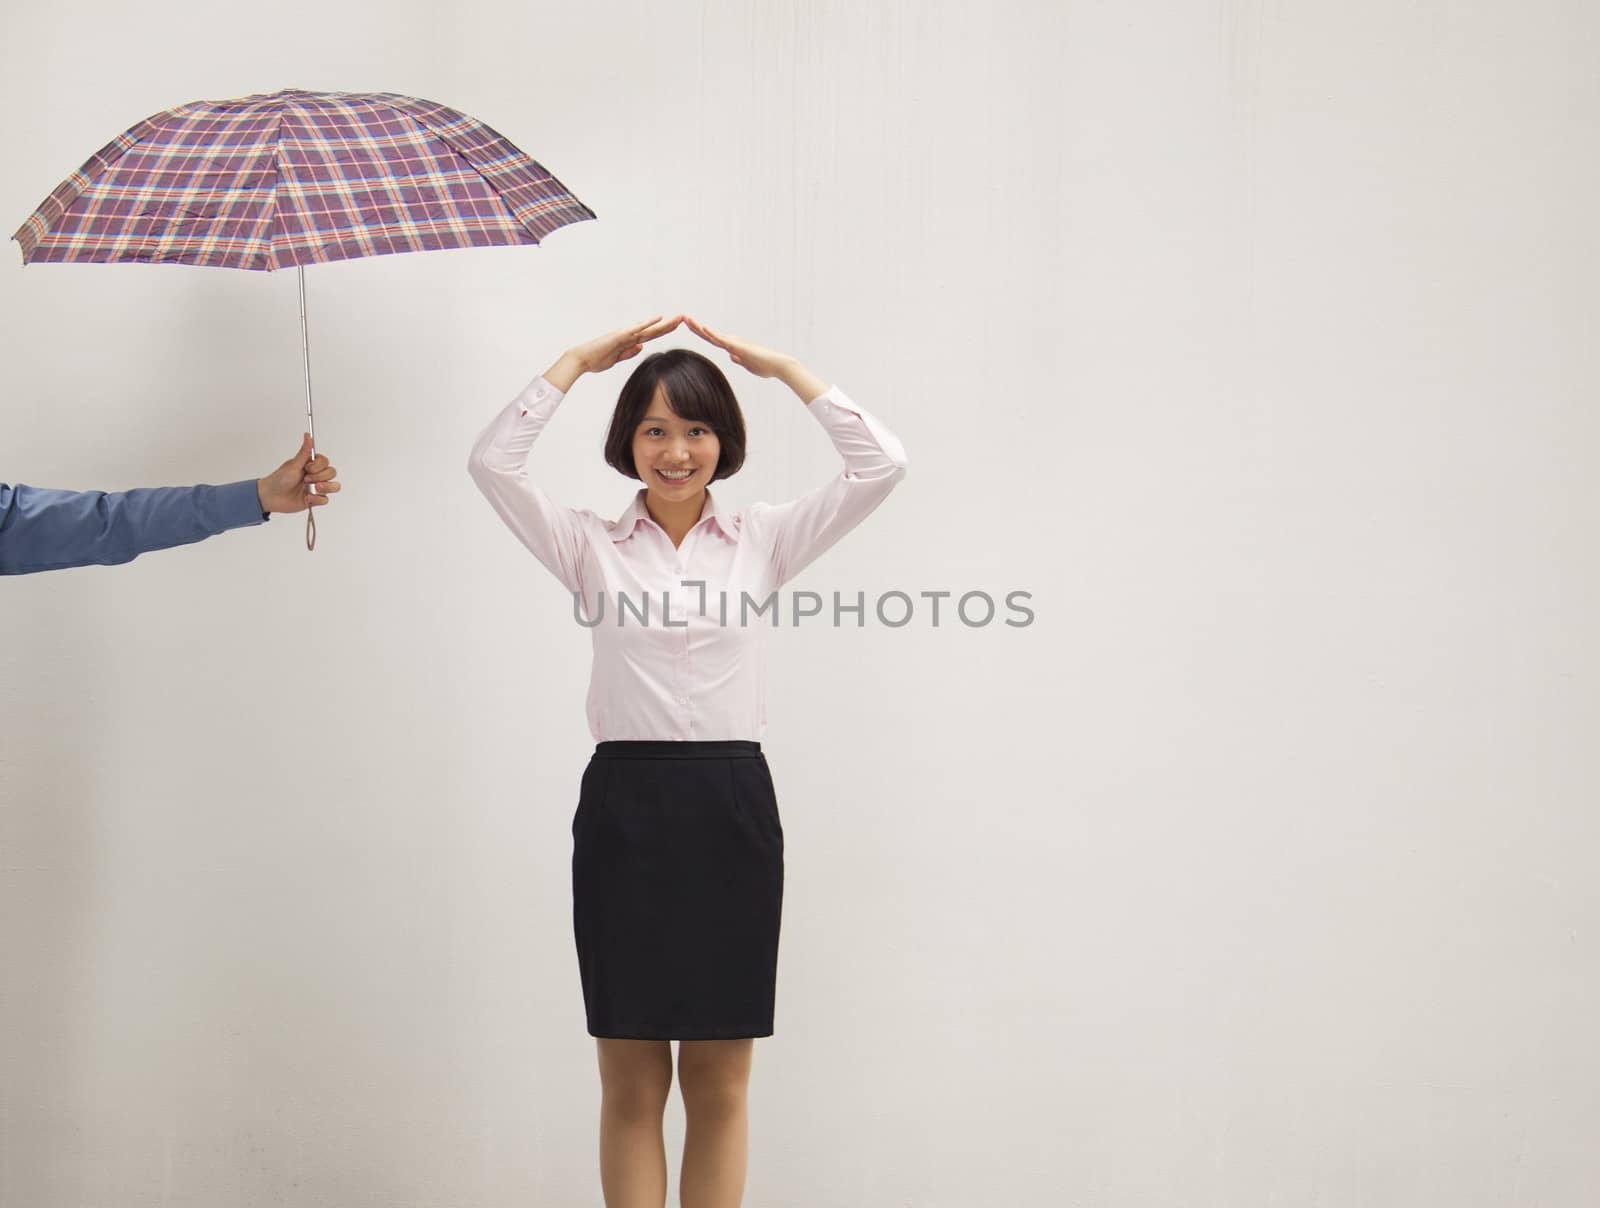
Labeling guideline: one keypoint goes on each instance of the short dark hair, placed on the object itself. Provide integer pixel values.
(696, 389)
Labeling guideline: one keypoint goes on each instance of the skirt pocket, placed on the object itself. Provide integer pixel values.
(591, 792)
(756, 799)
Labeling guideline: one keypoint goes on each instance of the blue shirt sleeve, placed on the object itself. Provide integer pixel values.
(43, 529)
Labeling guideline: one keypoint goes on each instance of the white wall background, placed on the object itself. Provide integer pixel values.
(1254, 338)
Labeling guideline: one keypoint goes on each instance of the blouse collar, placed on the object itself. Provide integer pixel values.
(637, 511)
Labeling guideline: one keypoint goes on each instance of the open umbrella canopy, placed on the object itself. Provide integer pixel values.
(293, 178)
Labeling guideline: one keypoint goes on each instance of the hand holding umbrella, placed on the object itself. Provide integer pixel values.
(304, 481)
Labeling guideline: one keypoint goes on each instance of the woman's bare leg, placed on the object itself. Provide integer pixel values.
(714, 1078)
(635, 1080)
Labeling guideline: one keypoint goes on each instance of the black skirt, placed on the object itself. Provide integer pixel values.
(677, 890)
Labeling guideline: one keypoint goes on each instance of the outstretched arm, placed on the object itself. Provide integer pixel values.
(43, 529)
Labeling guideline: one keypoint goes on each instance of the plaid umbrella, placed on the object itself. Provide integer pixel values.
(296, 178)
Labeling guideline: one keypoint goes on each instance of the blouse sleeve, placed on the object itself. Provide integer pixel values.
(554, 534)
(874, 461)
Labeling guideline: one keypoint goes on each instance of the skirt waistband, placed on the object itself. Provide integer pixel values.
(653, 748)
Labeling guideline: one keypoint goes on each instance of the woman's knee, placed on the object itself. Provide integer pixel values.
(714, 1075)
(635, 1076)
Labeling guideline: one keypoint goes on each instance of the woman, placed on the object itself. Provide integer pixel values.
(677, 867)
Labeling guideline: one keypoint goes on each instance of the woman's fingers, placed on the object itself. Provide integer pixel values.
(652, 324)
(660, 329)
(629, 336)
(762, 362)
(626, 342)
(625, 336)
(702, 330)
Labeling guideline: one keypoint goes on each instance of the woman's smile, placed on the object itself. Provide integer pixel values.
(674, 477)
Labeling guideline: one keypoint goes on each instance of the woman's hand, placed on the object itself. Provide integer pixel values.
(762, 362)
(601, 354)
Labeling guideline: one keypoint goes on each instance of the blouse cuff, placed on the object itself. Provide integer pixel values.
(857, 434)
(836, 398)
(540, 397)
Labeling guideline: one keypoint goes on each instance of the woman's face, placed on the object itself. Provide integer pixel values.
(663, 443)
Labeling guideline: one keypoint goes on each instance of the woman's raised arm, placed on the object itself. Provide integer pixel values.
(798, 531)
(499, 460)
(499, 465)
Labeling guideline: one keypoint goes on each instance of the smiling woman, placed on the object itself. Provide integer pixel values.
(677, 864)
(676, 411)
(676, 452)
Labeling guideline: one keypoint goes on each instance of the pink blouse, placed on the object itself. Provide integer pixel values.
(690, 670)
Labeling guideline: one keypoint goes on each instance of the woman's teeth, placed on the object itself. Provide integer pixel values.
(675, 475)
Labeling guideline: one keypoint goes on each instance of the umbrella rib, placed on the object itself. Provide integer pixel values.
(444, 138)
(265, 224)
(428, 132)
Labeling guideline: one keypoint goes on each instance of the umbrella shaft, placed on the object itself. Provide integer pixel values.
(305, 349)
